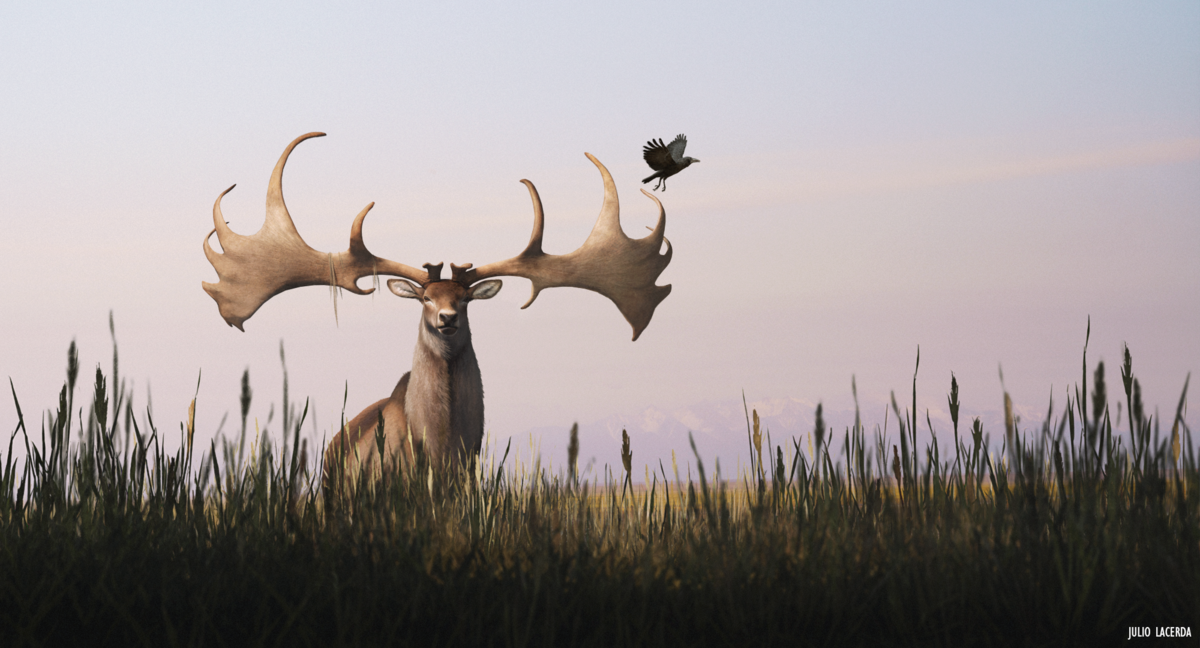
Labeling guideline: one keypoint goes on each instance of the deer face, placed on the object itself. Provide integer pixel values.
(444, 304)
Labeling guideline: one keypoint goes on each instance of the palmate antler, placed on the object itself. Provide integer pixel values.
(255, 268)
(609, 262)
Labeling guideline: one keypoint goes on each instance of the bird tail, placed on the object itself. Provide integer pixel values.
(649, 179)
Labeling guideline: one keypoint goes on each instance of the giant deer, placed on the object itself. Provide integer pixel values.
(437, 407)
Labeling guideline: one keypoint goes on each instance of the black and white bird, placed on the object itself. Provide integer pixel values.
(666, 160)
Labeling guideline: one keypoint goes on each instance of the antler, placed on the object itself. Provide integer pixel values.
(609, 262)
(255, 268)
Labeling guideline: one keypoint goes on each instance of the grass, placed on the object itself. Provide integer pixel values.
(1068, 537)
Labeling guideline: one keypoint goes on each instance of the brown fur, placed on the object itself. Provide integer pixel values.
(356, 443)
(437, 408)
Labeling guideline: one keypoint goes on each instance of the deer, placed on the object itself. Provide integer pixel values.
(436, 409)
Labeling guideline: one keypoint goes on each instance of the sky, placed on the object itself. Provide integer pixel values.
(979, 180)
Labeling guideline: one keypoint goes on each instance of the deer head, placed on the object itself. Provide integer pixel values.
(252, 269)
(444, 322)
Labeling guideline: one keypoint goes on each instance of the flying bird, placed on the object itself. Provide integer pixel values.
(666, 160)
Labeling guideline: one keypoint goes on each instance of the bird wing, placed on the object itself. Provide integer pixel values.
(657, 155)
(675, 148)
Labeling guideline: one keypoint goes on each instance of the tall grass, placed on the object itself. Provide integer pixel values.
(1067, 537)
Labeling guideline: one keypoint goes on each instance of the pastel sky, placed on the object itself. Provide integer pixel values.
(974, 178)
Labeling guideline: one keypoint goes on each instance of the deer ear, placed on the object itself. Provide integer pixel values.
(403, 288)
(485, 289)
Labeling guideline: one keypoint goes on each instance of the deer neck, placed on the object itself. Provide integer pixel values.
(444, 401)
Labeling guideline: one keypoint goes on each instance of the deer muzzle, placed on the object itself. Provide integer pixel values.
(447, 322)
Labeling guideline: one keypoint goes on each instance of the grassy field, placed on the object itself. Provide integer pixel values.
(1068, 536)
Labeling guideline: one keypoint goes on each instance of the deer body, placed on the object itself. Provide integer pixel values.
(436, 409)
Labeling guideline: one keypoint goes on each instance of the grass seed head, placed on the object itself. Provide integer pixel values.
(757, 438)
(573, 453)
(953, 401)
(1010, 428)
(626, 453)
(1139, 412)
(1099, 394)
(72, 366)
(819, 426)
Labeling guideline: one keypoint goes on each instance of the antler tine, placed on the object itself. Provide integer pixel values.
(608, 262)
(539, 223)
(278, 217)
(252, 269)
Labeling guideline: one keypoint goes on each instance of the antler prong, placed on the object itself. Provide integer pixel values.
(539, 222)
(660, 227)
(356, 237)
